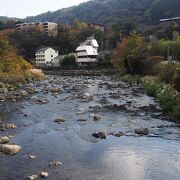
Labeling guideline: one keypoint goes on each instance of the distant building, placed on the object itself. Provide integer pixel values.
(87, 52)
(49, 28)
(45, 57)
(57, 60)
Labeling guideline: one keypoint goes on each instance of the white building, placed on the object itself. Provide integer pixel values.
(87, 52)
(45, 56)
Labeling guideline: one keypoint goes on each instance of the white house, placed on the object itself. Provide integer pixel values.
(45, 56)
(87, 52)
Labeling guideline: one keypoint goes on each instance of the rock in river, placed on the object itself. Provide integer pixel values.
(44, 174)
(97, 117)
(119, 134)
(4, 140)
(33, 177)
(59, 120)
(101, 135)
(142, 131)
(10, 149)
(7, 126)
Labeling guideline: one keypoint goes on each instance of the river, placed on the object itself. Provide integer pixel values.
(121, 108)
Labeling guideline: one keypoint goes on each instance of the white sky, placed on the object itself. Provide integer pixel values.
(23, 8)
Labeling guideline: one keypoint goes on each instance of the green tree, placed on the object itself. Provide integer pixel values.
(69, 61)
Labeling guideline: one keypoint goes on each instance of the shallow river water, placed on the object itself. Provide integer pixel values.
(121, 108)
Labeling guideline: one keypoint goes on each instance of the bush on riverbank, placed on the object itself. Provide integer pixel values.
(166, 94)
(168, 97)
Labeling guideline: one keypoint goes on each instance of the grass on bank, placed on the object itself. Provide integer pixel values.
(168, 97)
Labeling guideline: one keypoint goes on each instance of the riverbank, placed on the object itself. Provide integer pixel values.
(20, 89)
(81, 72)
(168, 97)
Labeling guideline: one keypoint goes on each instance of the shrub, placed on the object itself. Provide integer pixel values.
(176, 79)
(69, 61)
(168, 97)
(165, 72)
(131, 79)
(150, 63)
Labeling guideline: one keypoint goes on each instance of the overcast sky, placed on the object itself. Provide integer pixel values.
(23, 8)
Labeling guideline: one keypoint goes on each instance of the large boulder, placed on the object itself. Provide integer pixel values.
(10, 149)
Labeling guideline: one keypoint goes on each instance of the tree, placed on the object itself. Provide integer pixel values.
(69, 61)
(129, 54)
(12, 66)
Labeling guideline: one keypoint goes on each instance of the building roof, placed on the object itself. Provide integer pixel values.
(88, 50)
(43, 49)
(94, 43)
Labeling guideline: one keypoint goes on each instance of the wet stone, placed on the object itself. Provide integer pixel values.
(10, 149)
(101, 135)
(55, 163)
(97, 117)
(8, 126)
(142, 131)
(32, 177)
(59, 120)
(44, 174)
(4, 140)
(119, 134)
(82, 119)
(32, 157)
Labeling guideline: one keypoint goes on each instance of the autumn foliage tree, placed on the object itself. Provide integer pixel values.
(129, 54)
(13, 68)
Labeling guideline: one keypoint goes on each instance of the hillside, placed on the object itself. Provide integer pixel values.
(5, 18)
(145, 12)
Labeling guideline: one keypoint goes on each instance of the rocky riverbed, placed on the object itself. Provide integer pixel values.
(85, 128)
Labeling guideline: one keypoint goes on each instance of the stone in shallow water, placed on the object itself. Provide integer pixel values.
(44, 174)
(7, 126)
(56, 163)
(32, 157)
(97, 117)
(59, 120)
(82, 119)
(142, 131)
(101, 135)
(10, 149)
(32, 177)
(119, 134)
(4, 140)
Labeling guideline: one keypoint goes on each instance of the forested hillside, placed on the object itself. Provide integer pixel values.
(113, 11)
